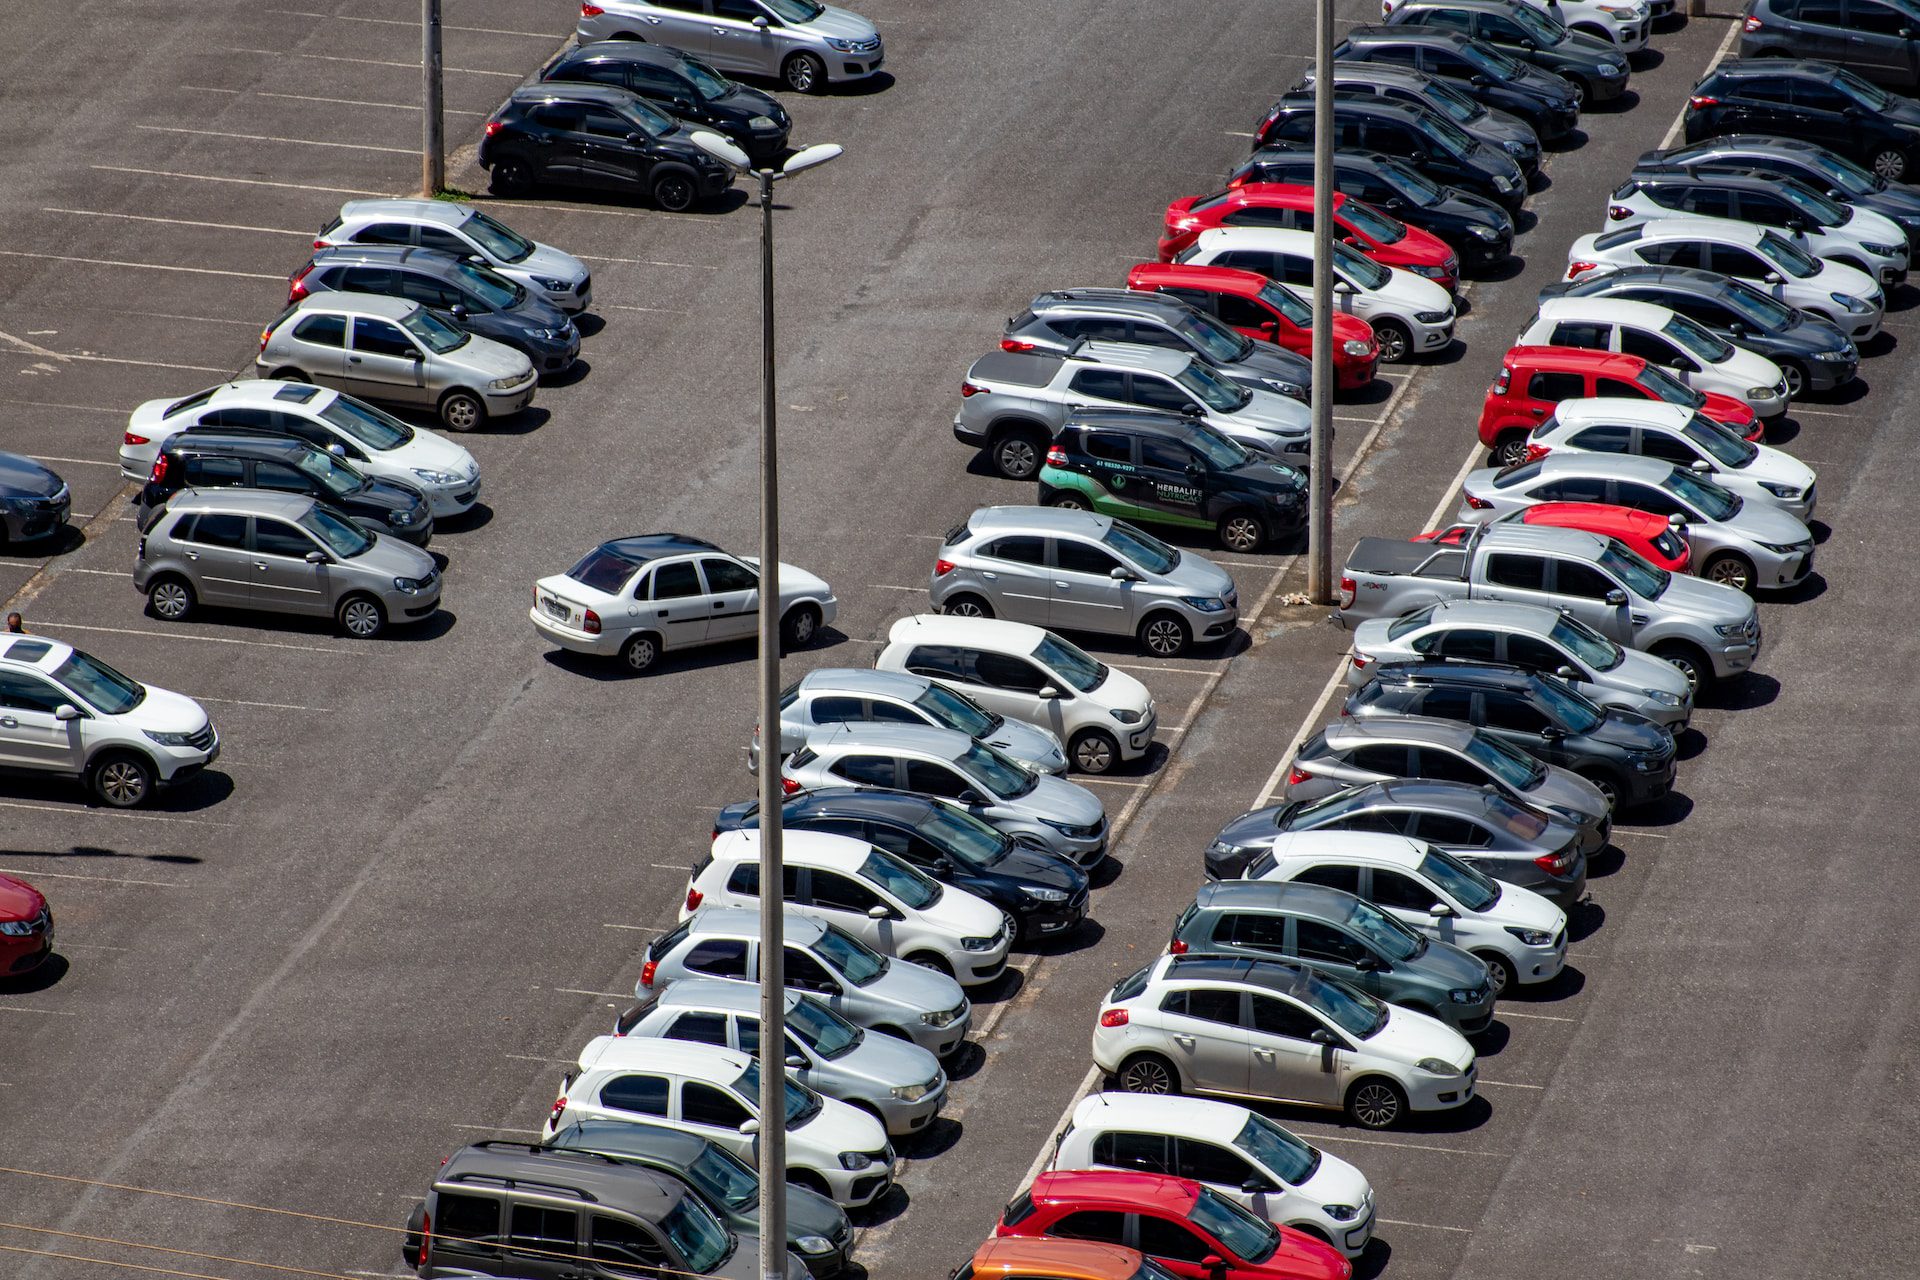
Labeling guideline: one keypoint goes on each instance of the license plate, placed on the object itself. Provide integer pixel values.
(555, 609)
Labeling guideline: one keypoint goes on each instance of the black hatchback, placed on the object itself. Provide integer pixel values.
(1045, 894)
(1816, 101)
(592, 135)
(1476, 228)
(1544, 100)
(1417, 134)
(683, 87)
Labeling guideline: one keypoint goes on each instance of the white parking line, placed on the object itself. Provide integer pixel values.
(1680, 119)
(83, 408)
(361, 102)
(180, 222)
(271, 706)
(1423, 1226)
(373, 62)
(888, 586)
(1147, 666)
(616, 306)
(533, 1057)
(113, 813)
(51, 1013)
(482, 1128)
(167, 315)
(191, 635)
(103, 573)
(679, 220)
(1654, 835)
(1410, 1146)
(638, 928)
(1341, 417)
(576, 991)
(1507, 1084)
(1086, 781)
(72, 875)
(1814, 413)
(274, 137)
(143, 266)
(396, 22)
(1536, 1017)
(245, 182)
(649, 262)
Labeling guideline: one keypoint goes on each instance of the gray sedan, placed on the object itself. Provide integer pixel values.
(34, 502)
(804, 44)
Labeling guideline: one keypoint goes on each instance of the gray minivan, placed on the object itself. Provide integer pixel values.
(1342, 936)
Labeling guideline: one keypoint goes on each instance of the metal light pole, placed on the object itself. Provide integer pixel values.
(1320, 488)
(433, 162)
(773, 984)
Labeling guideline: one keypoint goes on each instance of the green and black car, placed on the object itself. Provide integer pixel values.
(1169, 469)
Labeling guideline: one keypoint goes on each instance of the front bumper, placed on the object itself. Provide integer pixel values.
(1441, 1093)
(1053, 920)
(1433, 337)
(402, 606)
(1606, 89)
(177, 764)
(1539, 964)
(450, 500)
(1774, 573)
(902, 1118)
(503, 404)
(850, 1189)
(858, 65)
(1644, 786)
(1825, 375)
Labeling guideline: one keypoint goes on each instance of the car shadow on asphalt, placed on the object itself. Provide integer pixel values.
(1626, 102)
(202, 791)
(1571, 140)
(589, 323)
(67, 538)
(46, 976)
(1491, 1042)
(1644, 60)
(885, 1209)
(1664, 812)
(965, 1062)
(1780, 430)
(1811, 587)
(95, 851)
(1508, 268)
(1567, 983)
(1585, 920)
(1852, 391)
(1688, 743)
(569, 376)
(1107, 872)
(728, 653)
(1606, 862)
(477, 516)
(936, 1139)
(1373, 1260)
(1881, 344)
(1754, 689)
(1821, 531)
(1000, 990)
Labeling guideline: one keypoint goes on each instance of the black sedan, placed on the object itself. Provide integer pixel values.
(1543, 99)
(1475, 228)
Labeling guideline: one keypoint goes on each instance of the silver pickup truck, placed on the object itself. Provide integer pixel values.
(1709, 627)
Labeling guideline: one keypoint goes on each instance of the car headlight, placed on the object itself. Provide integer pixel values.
(1483, 233)
(1047, 895)
(412, 586)
(1435, 1067)
(813, 1244)
(1882, 250)
(1434, 317)
(943, 1018)
(1643, 762)
(1502, 183)
(552, 285)
(1356, 347)
(1760, 393)
(1614, 11)
(169, 739)
(854, 1161)
(1835, 356)
(1532, 937)
(402, 518)
(1221, 848)
(976, 944)
(1205, 604)
(1340, 1212)
(1463, 995)
(1779, 549)
(1666, 699)
(1857, 306)
(436, 477)
(1780, 490)
(16, 928)
(910, 1092)
(1614, 69)
(506, 384)
(1431, 273)
(1291, 390)
(762, 122)
(1127, 715)
(1515, 147)
(838, 45)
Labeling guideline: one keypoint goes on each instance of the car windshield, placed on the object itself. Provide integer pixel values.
(1790, 257)
(1472, 889)
(1872, 97)
(1211, 389)
(1822, 210)
(1669, 388)
(1285, 302)
(1409, 622)
(1246, 1237)
(1586, 644)
(438, 336)
(803, 1104)
(1071, 663)
(1220, 453)
(1756, 308)
(1509, 764)
(1537, 26)
(1844, 174)
(964, 838)
(900, 880)
(1140, 548)
(99, 685)
(366, 424)
(1574, 711)
(1458, 140)
(1718, 443)
(795, 10)
(604, 569)
(1285, 1156)
(1000, 775)
(1383, 933)
(646, 119)
(1697, 341)
(491, 287)
(1214, 339)
(501, 242)
(699, 1236)
(1151, 1270)
(1417, 187)
(1372, 223)
(830, 1035)
(724, 1179)
(1702, 494)
(1349, 1008)
(709, 82)
(955, 712)
(1623, 562)
(851, 957)
(341, 536)
(332, 474)
(1457, 105)
(1359, 268)
(1490, 60)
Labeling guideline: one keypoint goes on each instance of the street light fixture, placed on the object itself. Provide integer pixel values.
(773, 985)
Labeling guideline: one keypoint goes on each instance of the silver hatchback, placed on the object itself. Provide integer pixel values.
(279, 553)
(1080, 571)
(806, 45)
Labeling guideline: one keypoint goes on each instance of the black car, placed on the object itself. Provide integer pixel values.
(1416, 134)
(683, 87)
(1475, 228)
(1166, 469)
(1597, 71)
(1833, 176)
(462, 292)
(1626, 755)
(1045, 894)
(1548, 102)
(592, 135)
(1879, 39)
(1490, 125)
(1812, 353)
(34, 502)
(227, 457)
(1816, 101)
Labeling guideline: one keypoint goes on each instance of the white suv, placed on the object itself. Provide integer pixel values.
(832, 1147)
(1027, 673)
(65, 712)
(1520, 935)
(1276, 1030)
(1701, 360)
(892, 907)
(1240, 1154)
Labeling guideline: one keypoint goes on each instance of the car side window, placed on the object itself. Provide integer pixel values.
(384, 233)
(543, 1230)
(930, 779)
(608, 71)
(214, 530)
(748, 1029)
(1073, 556)
(804, 973)
(1444, 766)
(1530, 653)
(675, 581)
(1654, 350)
(1556, 386)
(322, 331)
(937, 660)
(1167, 455)
(1261, 216)
(427, 291)
(1388, 822)
(1710, 202)
(562, 117)
(1020, 549)
(1345, 879)
(22, 692)
(1091, 1224)
(1614, 387)
(1277, 1017)
(1446, 704)
(1643, 497)
(278, 538)
(466, 1224)
(718, 958)
(365, 280)
(1206, 1004)
(1317, 940)
(210, 473)
(1605, 439)
(1658, 444)
(625, 1247)
(1452, 832)
(1521, 572)
(269, 475)
(1572, 489)
(1012, 674)
(599, 122)
(380, 338)
(1156, 392)
(1164, 1238)
(1507, 711)
(1581, 333)
(894, 713)
(1466, 644)
(1731, 260)
(871, 771)
(642, 1095)
(727, 575)
(1146, 1152)
(445, 241)
(1252, 929)
(1573, 578)
(1672, 253)
(1380, 757)
(1101, 384)
(700, 1027)
(1094, 328)
(1242, 313)
(1402, 891)
(843, 893)
(1107, 446)
(704, 1104)
(738, 10)
(837, 710)
(1826, 13)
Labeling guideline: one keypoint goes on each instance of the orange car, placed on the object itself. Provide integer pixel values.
(1044, 1258)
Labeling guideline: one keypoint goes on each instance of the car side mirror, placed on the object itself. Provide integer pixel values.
(67, 711)
(1676, 521)
(1341, 286)
(878, 911)
(1528, 44)
(416, 355)
(1906, 33)
(971, 797)
(760, 23)
(750, 1127)
(795, 1061)
(1700, 466)
(1255, 1186)
(1616, 597)
(1480, 82)
(337, 450)
(1325, 1037)
(1120, 573)
(1567, 673)
(1352, 242)
(1192, 410)
(1441, 911)
(1047, 692)
(682, 104)
(1215, 1263)
(1737, 327)
(1271, 330)
(459, 311)
(318, 557)
(1772, 277)
(1369, 964)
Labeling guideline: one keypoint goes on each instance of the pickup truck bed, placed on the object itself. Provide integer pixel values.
(1394, 557)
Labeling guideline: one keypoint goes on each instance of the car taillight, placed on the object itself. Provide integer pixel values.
(1347, 592)
(968, 389)
(589, 10)
(494, 127)
(647, 971)
(1056, 456)
(1555, 864)
(590, 622)
(559, 1105)
(426, 1235)
(1476, 503)
(1361, 661)
(1574, 269)
(1502, 382)
(264, 335)
(789, 787)
(130, 438)
(1752, 23)
(941, 568)
(1113, 1017)
(1535, 452)
(1013, 344)
(297, 287)
(1177, 947)
(1618, 211)
(1701, 101)
(140, 548)
(694, 899)
(1296, 775)
(159, 472)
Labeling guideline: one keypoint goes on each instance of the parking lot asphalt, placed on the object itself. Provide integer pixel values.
(420, 876)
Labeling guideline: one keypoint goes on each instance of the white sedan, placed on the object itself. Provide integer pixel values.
(1700, 360)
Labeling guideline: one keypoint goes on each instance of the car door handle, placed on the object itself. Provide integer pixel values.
(990, 577)
(193, 555)
(258, 565)
(1538, 412)
(1063, 586)
(718, 604)
(8, 722)
(353, 359)
(1185, 1042)
(1265, 1055)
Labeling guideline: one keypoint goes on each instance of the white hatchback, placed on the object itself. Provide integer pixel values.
(1240, 1154)
(891, 906)
(1701, 360)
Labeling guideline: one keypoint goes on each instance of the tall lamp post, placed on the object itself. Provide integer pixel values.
(773, 984)
(1320, 482)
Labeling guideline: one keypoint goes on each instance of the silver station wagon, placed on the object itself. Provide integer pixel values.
(806, 45)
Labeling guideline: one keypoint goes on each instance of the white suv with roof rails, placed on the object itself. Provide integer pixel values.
(464, 230)
(376, 443)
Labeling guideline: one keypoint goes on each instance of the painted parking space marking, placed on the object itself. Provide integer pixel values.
(361, 102)
(637, 928)
(1506, 1084)
(83, 462)
(493, 1128)
(649, 262)
(102, 573)
(247, 182)
(141, 266)
(51, 1013)
(576, 991)
(1147, 666)
(271, 706)
(1409, 1146)
(273, 137)
(373, 62)
(415, 26)
(1086, 781)
(179, 222)
(81, 408)
(1536, 1017)
(113, 813)
(74, 875)
(1423, 1226)
(190, 635)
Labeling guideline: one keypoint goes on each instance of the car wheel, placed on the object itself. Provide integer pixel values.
(640, 653)
(1164, 635)
(1890, 163)
(291, 375)
(810, 1180)
(804, 73)
(929, 960)
(1067, 500)
(1796, 375)
(461, 410)
(511, 176)
(1396, 344)
(170, 598)
(1582, 93)
(799, 627)
(1376, 1103)
(1692, 663)
(1148, 1073)
(1094, 751)
(361, 617)
(1729, 569)
(121, 779)
(1609, 787)
(1499, 971)
(1018, 453)
(1510, 449)
(1241, 530)
(673, 190)
(967, 607)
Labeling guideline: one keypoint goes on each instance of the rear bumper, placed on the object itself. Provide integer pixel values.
(603, 645)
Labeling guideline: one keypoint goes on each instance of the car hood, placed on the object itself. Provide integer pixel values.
(961, 914)
(1522, 908)
(1497, 126)
(748, 102)
(1644, 673)
(912, 986)
(1121, 691)
(1588, 49)
(1445, 963)
(744, 1262)
(1335, 1182)
(1057, 800)
(435, 452)
(1550, 84)
(1268, 477)
(1631, 731)
(795, 583)
(1777, 466)
(165, 711)
(1748, 369)
(1811, 333)
(1568, 793)
(1268, 411)
(1416, 293)
(888, 1060)
(1868, 225)
(1302, 1256)
(534, 309)
(838, 1126)
(1466, 206)
(1707, 602)
(1894, 202)
(1024, 741)
(843, 23)
(1028, 865)
(392, 495)
(1254, 829)
(1836, 277)
(485, 358)
(1764, 522)
(19, 900)
(554, 264)
(1198, 576)
(392, 556)
(1410, 1036)
(24, 478)
(1265, 360)
(808, 1214)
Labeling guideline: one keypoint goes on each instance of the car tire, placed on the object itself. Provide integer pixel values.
(1796, 375)
(673, 189)
(1148, 1073)
(360, 616)
(810, 1180)
(1019, 451)
(461, 410)
(1510, 449)
(1889, 163)
(291, 374)
(967, 606)
(1582, 92)
(1066, 500)
(121, 779)
(799, 628)
(640, 652)
(171, 598)
(1241, 530)
(1609, 785)
(1396, 342)
(1376, 1102)
(1692, 663)
(930, 960)
(804, 73)
(1164, 635)
(1499, 970)
(1094, 751)
(1729, 569)
(510, 176)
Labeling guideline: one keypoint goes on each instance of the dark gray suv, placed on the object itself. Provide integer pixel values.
(1878, 39)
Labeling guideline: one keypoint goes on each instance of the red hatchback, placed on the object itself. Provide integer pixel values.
(26, 927)
(1385, 239)
(1534, 379)
(1265, 309)
(1182, 1225)
(1652, 536)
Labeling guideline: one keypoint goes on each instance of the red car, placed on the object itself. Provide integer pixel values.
(1266, 309)
(1534, 379)
(1185, 1227)
(26, 927)
(1385, 239)
(1656, 541)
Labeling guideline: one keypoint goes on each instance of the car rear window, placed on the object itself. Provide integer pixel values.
(958, 534)
(666, 942)
(1518, 473)
(198, 398)
(1131, 985)
(1019, 1209)
(333, 225)
(1613, 239)
(605, 569)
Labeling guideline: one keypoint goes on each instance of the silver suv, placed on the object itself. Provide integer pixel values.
(280, 553)
(807, 45)
(1080, 571)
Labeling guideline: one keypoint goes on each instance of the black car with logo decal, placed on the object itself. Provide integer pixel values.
(1168, 469)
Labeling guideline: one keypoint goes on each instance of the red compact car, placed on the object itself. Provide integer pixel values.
(1656, 541)
(1266, 309)
(26, 927)
(1186, 1228)
(1534, 379)
(1385, 239)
